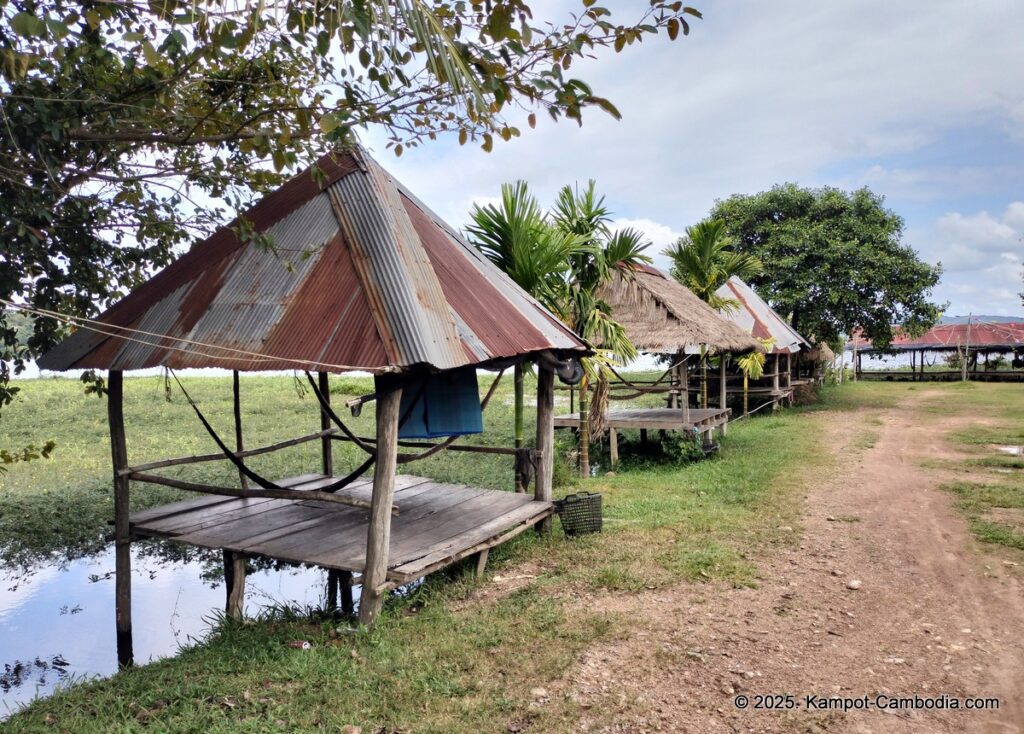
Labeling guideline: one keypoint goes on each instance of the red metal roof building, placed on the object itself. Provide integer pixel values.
(362, 277)
(946, 337)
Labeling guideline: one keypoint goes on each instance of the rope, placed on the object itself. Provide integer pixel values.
(262, 481)
(95, 326)
(326, 407)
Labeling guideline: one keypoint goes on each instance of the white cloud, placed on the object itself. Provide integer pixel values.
(762, 93)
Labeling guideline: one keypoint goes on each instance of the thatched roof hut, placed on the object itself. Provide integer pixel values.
(662, 316)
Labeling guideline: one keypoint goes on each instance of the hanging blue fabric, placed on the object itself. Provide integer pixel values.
(448, 405)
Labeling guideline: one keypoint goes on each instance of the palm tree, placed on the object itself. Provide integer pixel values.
(517, 236)
(752, 367)
(703, 261)
(604, 254)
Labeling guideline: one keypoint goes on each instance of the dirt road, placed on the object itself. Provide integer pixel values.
(933, 612)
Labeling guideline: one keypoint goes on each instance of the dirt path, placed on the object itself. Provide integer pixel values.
(934, 614)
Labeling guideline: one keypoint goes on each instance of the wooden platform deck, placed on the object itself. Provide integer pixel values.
(438, 524)
(671, 419)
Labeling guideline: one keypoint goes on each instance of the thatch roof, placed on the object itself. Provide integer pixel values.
(662, 316)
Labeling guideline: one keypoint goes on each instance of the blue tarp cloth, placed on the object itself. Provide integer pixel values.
(448, 405)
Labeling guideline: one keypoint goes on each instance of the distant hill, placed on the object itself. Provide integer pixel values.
(981, 318)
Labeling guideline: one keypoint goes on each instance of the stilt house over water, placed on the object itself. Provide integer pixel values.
(361, 276)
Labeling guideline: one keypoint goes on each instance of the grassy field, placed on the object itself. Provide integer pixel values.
(439, 661)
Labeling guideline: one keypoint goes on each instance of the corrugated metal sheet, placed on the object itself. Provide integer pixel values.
(758, 318)
(978, 335)
(362, 277)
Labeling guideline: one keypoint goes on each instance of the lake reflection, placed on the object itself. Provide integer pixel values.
(57, 623)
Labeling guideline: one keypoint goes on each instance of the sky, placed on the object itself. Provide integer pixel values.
(922, 102)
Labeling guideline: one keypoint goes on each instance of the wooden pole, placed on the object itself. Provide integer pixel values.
(613, 446)
(967, 348)
(684, 372)
(122, 529)
(378, 535)
(236, 399)
(722, 396)
(519, 386)
(545, 440)
(324, 385)
(347, 604)
(234, 581)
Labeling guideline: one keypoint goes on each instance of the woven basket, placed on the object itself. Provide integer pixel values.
(580, 513)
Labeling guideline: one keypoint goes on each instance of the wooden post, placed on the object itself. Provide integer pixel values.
(481, 562)
(722, 397)
(378, 535)
(345, 582)
(517, 426)
(613, 447)
(545, 440)
(643, 436)
(122, 529)
(856, 361)
(331, 604)
(239, 445)
(684, 372)
(325, 423)
(234, 581)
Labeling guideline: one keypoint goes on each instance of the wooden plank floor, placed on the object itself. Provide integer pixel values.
(437, 524)
(656, 418)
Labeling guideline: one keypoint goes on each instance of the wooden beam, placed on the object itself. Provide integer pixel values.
(378, 536)
(279, 494)
(325, 423)
(502, 450)
(199, 458)
(545, 440)
(237, 402)
(122, 529)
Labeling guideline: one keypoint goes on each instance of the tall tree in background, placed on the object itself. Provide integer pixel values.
(605, 253)
(131, 129)
(703, 260)
(833, 261)
(517, 236)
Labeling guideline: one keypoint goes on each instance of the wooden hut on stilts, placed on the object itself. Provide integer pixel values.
(361, 277)
(663, 317)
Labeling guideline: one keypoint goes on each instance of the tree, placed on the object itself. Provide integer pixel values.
(604, 254)
(833, 261)
(703, 261)
(518, 237)
(130, 129)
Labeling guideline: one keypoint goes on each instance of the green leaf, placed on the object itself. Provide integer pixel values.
(27, 25)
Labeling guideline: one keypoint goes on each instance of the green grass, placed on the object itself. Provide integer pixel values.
(435, 662)
(991, 490)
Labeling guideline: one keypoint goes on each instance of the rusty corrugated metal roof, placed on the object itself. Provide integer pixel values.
(363, 276)
(978, 335)
(756, 317)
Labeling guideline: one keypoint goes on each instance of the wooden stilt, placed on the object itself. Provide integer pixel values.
(643, 436)
(331, 604)
(545, 440)
(684, 371)
(721, 383)
(378, 537)
(327, 458)
(234, 578)
(345, 584)
(481, 562)
(122, 530)
(519, 385)
(239, 444)
(613, 447)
